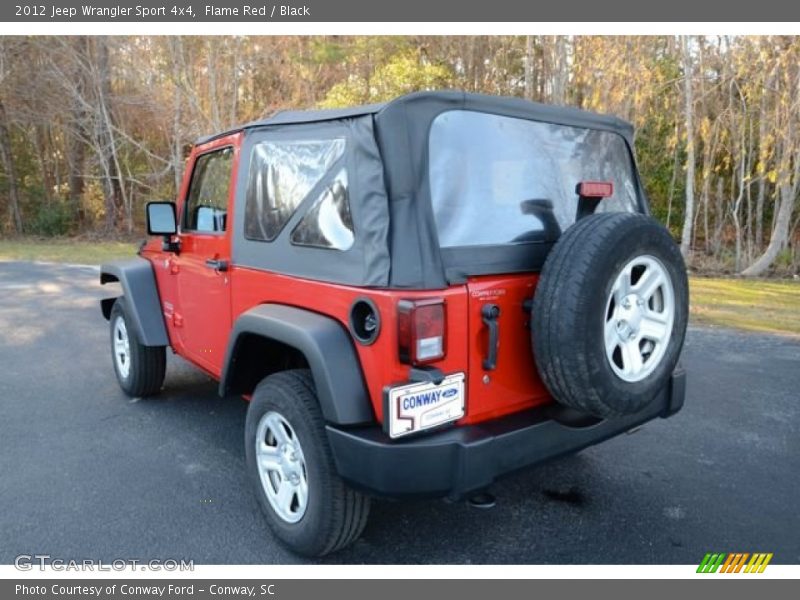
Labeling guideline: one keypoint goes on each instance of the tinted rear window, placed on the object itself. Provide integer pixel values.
(491, 175)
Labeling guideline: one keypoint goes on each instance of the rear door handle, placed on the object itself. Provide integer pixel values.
(489, 314)
(217, 265)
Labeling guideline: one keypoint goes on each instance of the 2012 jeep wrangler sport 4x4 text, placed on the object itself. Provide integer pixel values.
(416, 297)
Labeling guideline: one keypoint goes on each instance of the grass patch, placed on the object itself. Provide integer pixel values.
(758, 305)
(66, 250)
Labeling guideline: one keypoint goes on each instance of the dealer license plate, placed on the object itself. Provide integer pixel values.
(420, 406)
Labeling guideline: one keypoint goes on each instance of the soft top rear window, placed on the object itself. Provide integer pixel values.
(502, 180)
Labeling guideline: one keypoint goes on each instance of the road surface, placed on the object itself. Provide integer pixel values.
(88, 473)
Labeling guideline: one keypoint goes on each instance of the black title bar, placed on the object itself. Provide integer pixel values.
(130, 11)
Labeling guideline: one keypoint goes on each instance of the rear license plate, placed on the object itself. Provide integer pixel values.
(420, 406)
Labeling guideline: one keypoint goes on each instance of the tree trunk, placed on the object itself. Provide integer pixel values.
(788, 180)
(709, 151)
(7, 156)
(76, 139)
(762, 180)
(719, 226)
(529, 67)
(177, 103)
(233, 117)
(674, 178)
(686, 237)
(211, 63)
(741, 151)
(759, 225)
(116, 197)
(780, 235)
(560, 72)
(38, 140)
(77, 159)
(748, 232)
(737, 226)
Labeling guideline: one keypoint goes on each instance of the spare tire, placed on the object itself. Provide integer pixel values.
(609, 314)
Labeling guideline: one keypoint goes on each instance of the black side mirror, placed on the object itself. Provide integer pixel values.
(162, 220)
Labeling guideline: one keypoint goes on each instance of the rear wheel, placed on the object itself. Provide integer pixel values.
(610, 313)
(140, 369)
(307, 505)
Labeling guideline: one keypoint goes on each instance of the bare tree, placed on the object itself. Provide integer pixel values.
(741, 158)
(529, 67)
(176, 50)
(763, 123)
(560, 70)
(76, 144)
(6, 151)
(688, 75)
(788, 178)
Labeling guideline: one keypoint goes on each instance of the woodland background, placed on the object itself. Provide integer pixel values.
(93, 127)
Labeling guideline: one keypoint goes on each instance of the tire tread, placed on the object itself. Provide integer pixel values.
(148, 363)
(349, 508)
(561, 301)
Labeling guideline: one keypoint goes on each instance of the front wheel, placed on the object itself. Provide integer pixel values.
(290, 464)
(140, 369)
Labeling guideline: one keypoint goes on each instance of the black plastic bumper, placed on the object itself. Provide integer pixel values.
(460, 460)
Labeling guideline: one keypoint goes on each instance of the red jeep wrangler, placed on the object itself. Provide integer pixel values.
(416, 297)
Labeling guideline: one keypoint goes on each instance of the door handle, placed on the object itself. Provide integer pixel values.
(489, 314)
(217, 265)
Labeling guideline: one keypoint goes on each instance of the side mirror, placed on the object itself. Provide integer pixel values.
(162, 220)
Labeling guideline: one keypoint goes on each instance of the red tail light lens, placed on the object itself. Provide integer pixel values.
(421, 330)
(596, 189)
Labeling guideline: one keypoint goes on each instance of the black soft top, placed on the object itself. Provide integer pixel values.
(291, 117)
(449, 99)
(396, 241)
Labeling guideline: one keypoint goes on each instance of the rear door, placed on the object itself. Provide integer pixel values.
(502, 372)
(203, 312)
(502, 190)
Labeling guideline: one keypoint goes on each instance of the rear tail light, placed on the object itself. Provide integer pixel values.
(420, 331)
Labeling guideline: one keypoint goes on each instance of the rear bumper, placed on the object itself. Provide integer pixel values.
(457, 461)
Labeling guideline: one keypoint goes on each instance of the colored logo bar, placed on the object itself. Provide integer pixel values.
(734, 562)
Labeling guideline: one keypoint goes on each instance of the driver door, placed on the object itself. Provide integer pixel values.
(203, 316)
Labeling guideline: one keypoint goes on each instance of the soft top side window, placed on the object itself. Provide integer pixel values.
(206, 206)
(282, 174)
(328, 223)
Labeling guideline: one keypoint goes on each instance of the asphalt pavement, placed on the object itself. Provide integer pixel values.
(86, 472)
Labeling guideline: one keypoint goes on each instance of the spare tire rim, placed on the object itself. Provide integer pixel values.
(282, 467)
(640, 312)
(122, 348)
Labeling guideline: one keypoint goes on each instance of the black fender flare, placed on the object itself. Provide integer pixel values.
(141, 298)
(327, 348)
